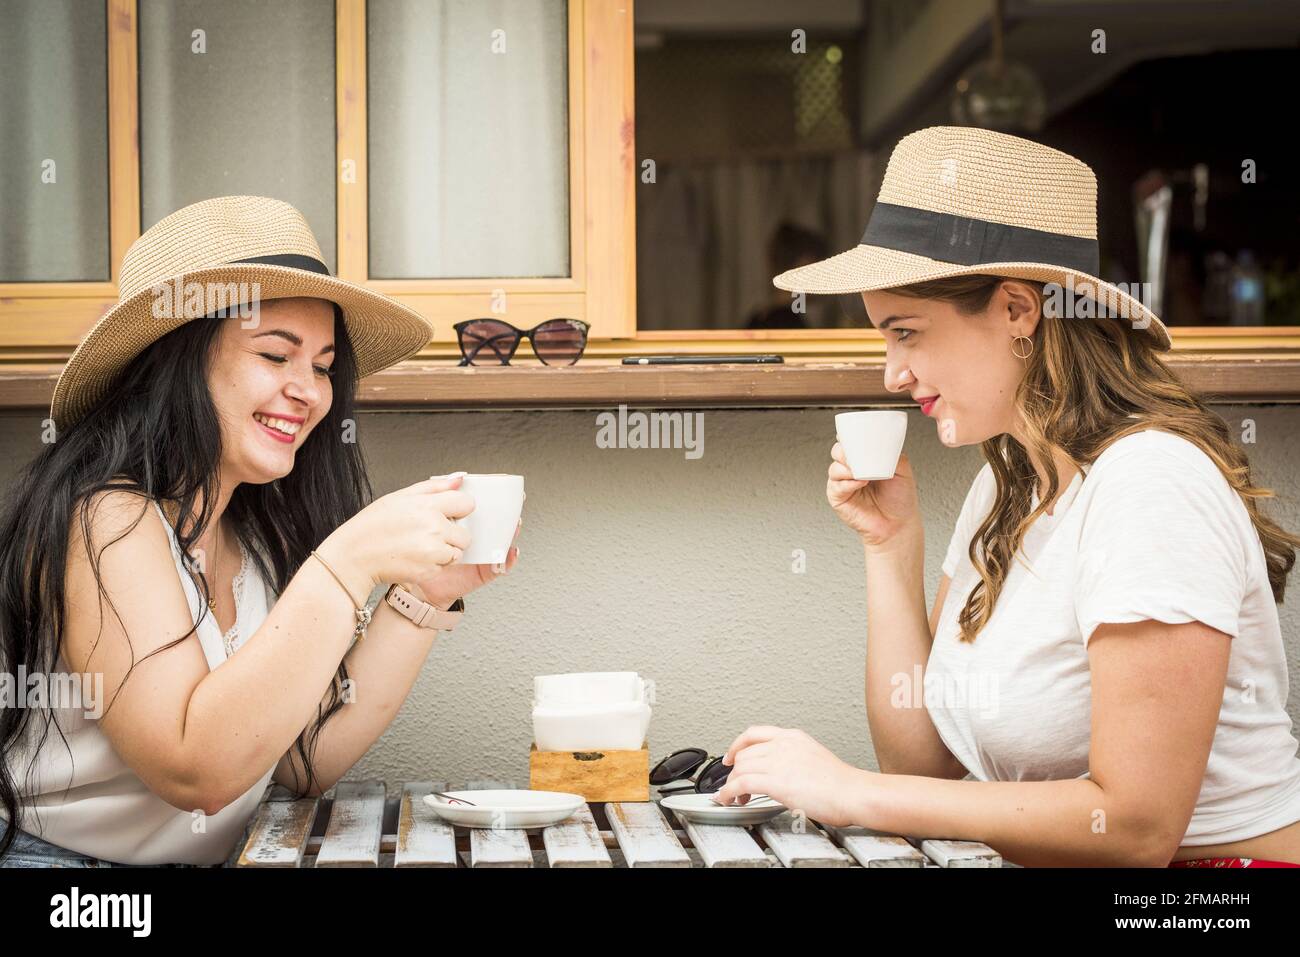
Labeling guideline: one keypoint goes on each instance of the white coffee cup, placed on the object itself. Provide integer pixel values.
(872, 441)
(498, 503)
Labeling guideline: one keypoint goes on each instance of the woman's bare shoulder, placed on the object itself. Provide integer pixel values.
(116, 528)
(109, 514)
(120, 576)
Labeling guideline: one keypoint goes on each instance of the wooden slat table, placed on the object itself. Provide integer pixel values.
(358, 825)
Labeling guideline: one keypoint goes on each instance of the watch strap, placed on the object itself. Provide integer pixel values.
(421, 613)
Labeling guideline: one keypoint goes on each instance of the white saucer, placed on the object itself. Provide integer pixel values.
(506, 808)
(702, 809)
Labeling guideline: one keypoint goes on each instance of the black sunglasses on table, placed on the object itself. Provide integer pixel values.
(557, 342)
(690, 769)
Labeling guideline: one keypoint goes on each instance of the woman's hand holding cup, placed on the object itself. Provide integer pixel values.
(498, 499)
(403, 536)
(881, 511)
(493, 527)
(450, 582)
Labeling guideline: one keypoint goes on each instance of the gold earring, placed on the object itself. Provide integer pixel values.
(1027, 354)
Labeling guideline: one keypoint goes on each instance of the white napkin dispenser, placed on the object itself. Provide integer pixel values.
(594, 711)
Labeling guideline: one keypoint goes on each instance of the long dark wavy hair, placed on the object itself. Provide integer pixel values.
(157, 434)
(1082, 383)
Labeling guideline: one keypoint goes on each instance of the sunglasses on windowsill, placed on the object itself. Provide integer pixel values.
(557, 342)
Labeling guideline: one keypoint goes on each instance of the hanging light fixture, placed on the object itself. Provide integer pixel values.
(997, 95)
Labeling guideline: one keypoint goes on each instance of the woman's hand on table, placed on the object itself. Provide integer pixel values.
(793, 769)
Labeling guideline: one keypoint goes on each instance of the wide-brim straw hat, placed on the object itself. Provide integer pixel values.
(959, 201)
(220, 249)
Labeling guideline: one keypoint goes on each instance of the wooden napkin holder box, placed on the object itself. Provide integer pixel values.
(597, 775)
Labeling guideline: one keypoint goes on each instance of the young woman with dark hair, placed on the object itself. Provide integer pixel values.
(200, 540)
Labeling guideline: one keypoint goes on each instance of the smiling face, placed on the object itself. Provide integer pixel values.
(271, 386)
(932, 348)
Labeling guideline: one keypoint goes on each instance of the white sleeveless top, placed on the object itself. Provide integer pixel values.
(84, 797)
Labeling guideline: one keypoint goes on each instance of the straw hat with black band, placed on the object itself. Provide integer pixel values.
(251, 241)
(959, 201)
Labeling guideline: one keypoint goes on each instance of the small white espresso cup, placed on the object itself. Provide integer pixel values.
(872, 440)
(498, 503)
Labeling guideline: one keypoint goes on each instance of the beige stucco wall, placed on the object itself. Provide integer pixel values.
(680, 569)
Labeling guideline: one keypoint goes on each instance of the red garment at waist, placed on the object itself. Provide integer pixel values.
(1231, 862)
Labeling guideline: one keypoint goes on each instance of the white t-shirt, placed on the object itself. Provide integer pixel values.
(1152, 530)
(84, 797)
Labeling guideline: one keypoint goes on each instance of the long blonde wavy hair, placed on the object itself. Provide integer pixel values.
(1082, 382)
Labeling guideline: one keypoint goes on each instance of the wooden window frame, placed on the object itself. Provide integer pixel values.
(600, 289)
(41, 323)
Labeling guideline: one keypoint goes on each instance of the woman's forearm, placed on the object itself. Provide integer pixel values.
(898, 647)
(382, 668)
(246, 713)
(1071, 823)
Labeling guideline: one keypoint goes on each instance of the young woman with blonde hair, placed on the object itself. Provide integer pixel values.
(1105, 676)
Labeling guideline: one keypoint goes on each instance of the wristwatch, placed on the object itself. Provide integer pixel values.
(422, 613)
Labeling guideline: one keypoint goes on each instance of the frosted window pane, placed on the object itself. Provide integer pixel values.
(253, 114)
(53, 141)
(469, 148)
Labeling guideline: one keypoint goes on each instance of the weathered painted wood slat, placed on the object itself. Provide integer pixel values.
(355, 827)
(496, 847)
(499, 847)
(645, 836)
(800, 843)
(279, 834)
(423, 838)
(576, 842)
(871, 849)
(961, 853)
(722, 845)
